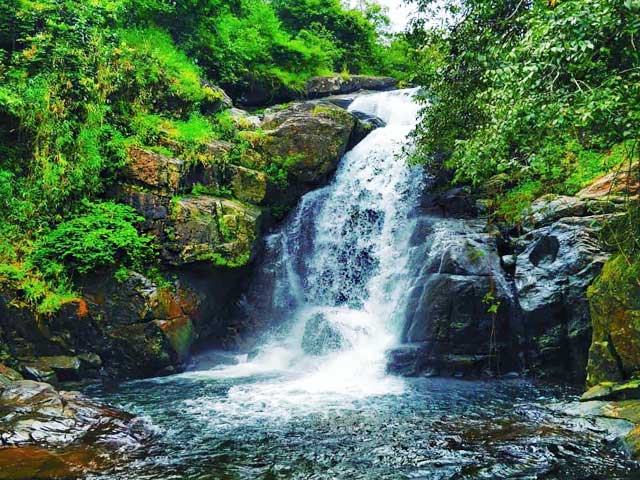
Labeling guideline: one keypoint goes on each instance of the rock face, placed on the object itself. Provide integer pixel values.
(614, 355)
(556, 265)
(538, 281)
(207, 217)
(459, 316)
(35, 413)
(131, 328)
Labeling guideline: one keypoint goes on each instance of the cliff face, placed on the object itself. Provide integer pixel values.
(489, 299)
(207, 219)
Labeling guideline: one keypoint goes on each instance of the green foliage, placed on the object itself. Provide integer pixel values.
(104, 235)
(540, 92)
(221, 191)
(82, 81)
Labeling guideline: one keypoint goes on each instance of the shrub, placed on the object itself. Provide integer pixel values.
(104, 235)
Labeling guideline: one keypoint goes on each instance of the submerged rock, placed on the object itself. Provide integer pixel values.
(321, 336)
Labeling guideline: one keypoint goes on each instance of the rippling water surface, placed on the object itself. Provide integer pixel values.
(212, 427)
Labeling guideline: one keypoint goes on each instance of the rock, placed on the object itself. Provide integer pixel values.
(365, 124)
(8, 375)
(247, 185)
(154, 171)
(452, 203)
(34, 413)
(615, 312)
(321, 336)
(599, 392)
(60, 368)
(211, 229)
(243, 120)
(553, 271)
(458, 316)
(310, 138)
(260, 93)
(216, 101)
(623, 180)
(342, 101)
(325, 86)
(613, 391)
(550, 208)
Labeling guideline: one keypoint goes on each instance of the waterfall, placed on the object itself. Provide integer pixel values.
(334, 276)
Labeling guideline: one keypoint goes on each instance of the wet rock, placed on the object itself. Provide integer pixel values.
(54, 369)
(452, 203)
(34, 413)
(325, 86)
(321, 336)
(458, 319)
(365, 124)
(550, 208)
(555, 267)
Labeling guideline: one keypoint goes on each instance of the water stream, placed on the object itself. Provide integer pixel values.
(313, 401)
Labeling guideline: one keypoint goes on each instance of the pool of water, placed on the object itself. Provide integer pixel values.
(214, 425)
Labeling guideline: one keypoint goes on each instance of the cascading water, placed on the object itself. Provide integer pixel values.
(314, 401)
(341, 268)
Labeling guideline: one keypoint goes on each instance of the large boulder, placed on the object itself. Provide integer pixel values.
(554, 267)
(458, 315)
(308, 138)
(35, 413)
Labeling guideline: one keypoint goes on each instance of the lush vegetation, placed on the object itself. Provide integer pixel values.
(81, 82)
(533, 97)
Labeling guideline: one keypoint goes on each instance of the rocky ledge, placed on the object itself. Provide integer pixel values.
(495, 299)
(316, 87)
(45, 433)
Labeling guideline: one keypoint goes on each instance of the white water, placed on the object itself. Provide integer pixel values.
(342, 254)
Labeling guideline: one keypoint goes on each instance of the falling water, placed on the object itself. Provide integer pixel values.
(337, 271)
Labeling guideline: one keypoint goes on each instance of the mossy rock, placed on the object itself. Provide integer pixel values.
(615, 311)
(211, 229)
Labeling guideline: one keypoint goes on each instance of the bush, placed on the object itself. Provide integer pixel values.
(104, 235)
